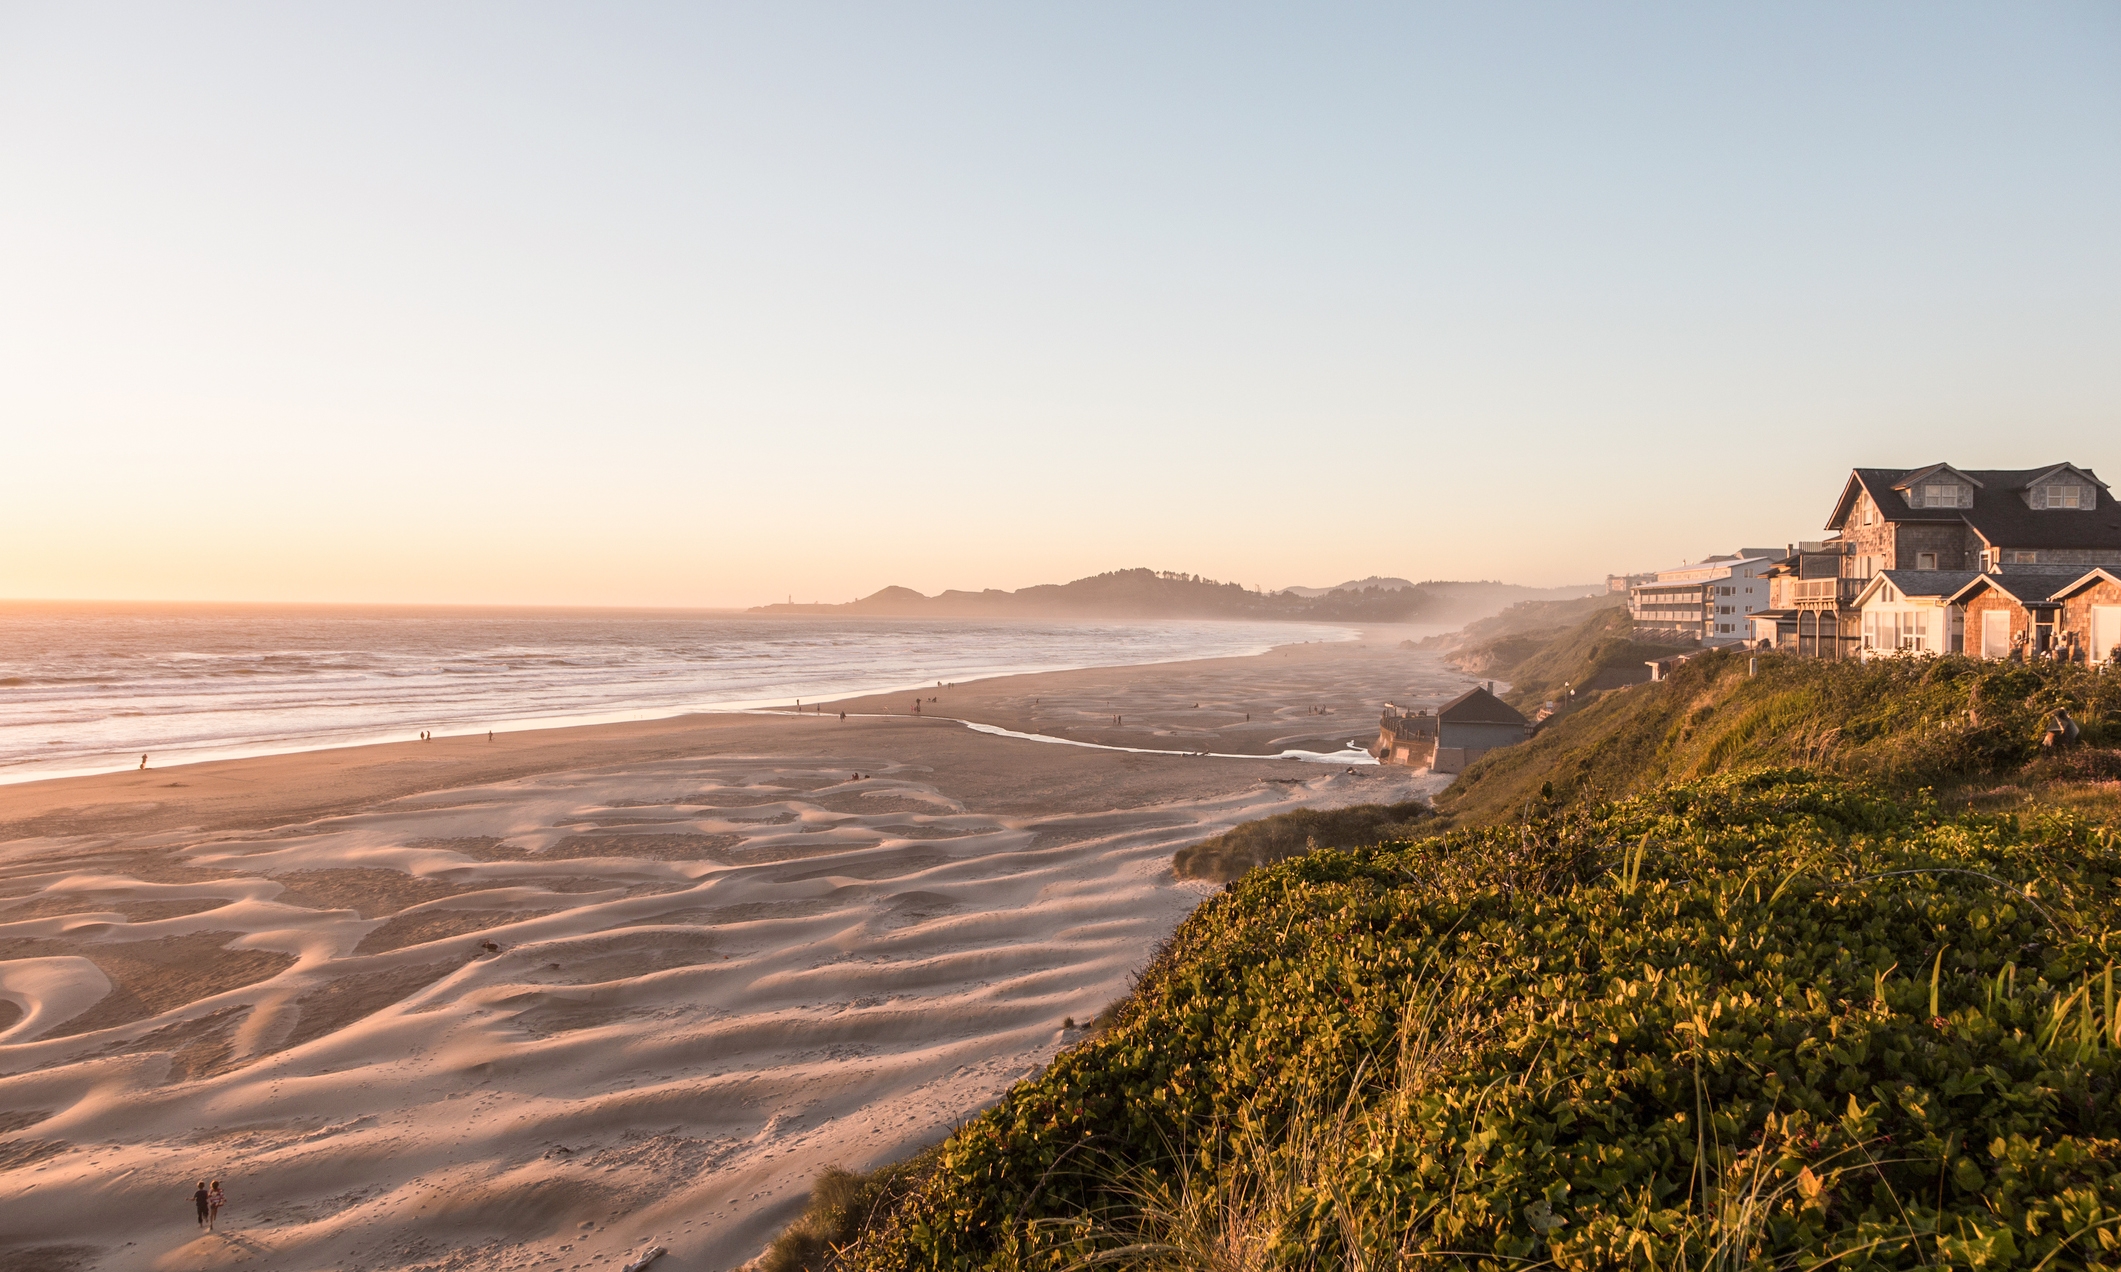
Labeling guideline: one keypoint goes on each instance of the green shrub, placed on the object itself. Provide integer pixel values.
(1774, 1020)
(843, 1203)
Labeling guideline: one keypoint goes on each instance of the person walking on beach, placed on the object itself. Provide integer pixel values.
(143, 764)
(200, 1200)
(214, 1202)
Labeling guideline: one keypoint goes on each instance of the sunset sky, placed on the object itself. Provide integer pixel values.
(714, 305)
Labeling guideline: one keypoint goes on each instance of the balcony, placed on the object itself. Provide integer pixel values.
(1823, 594)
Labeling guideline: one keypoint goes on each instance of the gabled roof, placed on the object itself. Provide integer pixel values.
(1935, 585)
(1478, 706)
(2000, 514)
(2025, 584)
(2095, 575)
(1920, 475)
(2072, 469)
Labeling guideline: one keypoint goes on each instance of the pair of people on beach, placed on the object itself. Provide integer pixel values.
(208, 1200)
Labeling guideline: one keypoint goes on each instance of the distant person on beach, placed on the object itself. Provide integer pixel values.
(214, 1202)
(143, 764)
(202, 1199)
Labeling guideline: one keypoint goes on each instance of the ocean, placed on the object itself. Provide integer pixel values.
(89, 689)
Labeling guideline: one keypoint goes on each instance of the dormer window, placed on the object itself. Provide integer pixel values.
(2062, 494)
(1943, 494)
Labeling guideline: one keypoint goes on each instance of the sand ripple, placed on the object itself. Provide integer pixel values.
(541, 1022)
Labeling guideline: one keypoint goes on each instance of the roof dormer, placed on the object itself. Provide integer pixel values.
(1938, 486)
(2063, 488)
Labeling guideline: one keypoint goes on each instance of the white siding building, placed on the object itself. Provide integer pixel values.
(1709, 601)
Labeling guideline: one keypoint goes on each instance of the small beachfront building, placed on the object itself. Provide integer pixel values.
(1473, 724)
(1406, 737)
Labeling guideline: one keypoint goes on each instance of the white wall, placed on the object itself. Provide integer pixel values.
(1736, 590)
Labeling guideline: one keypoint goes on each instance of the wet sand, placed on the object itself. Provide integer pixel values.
(543, 1001)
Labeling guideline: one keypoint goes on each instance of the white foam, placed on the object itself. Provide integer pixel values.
(90, 693)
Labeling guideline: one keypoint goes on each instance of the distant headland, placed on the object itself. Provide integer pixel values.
(1145, 593)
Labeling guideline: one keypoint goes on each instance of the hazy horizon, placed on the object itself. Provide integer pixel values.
(651, 307)
(502, 607)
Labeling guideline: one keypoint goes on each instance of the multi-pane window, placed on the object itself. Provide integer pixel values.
(1897, 629)
(2061, 494)
(1945, 494)
(2021, 558)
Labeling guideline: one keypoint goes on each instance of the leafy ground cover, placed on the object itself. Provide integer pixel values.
(1771, 1020)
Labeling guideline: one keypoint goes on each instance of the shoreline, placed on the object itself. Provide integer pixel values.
(211, 754)
(576, 991)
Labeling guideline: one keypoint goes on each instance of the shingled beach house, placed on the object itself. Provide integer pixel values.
(2018, 563)
(1915, 550)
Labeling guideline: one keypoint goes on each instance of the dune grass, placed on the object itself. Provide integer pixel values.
(1956, 725)
(843, 1205)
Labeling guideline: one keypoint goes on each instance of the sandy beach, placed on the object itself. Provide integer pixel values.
(544, 1001)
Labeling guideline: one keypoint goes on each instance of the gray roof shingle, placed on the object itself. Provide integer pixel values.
(2000, 513)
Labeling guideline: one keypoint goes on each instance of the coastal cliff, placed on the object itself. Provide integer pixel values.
(1783, 969)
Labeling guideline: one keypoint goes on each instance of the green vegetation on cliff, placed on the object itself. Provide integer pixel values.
(1907, 723)
(1805, 969)
(1778, 1020)
(1545, 648)
(1598, 654)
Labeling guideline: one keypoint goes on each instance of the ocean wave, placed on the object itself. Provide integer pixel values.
(92, 693)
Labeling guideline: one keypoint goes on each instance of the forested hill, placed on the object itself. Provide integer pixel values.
(1145, 593)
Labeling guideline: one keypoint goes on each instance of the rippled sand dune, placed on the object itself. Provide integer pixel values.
(542, 1002)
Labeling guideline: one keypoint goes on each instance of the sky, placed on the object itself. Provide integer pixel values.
(709, 305)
